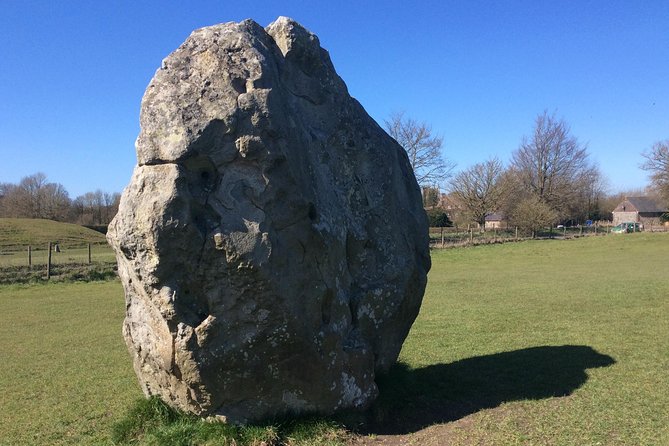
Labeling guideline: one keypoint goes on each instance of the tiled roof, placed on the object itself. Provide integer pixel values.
(494, 217)
(639, 204)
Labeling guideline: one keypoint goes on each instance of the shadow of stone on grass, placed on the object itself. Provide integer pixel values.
(412, 399)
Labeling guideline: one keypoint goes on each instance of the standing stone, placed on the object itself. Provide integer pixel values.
(272, 243)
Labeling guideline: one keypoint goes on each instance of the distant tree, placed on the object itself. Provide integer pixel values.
(588, 198)
(5, 189)
(111, 201)
(96, 208)
(35, 197)
(480, 189)
(423, 149)
(657, 163)
(86, 211)
(29, 196)
(531, 215)
(553, 167)
(55, 202)
(438, 218)
(430, 196)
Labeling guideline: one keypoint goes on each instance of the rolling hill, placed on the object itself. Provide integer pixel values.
(17, 233)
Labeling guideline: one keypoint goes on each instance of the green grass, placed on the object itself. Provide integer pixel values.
(532, 343)
(99, 253)
(17, 233)
(524, 331)
(74, 272)
(65, 375)
(154, 423)
(71, 263)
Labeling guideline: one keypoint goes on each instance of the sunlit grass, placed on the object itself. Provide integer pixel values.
(17, 233)
(99, 254)
(609, 294)
(530, 343)
(65, 374)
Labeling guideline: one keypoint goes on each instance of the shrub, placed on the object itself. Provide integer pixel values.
(438, 219)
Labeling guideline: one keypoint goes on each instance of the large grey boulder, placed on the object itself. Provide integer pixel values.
(272, 243)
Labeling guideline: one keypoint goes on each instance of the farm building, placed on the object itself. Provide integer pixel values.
(644, 210)
(495, 221)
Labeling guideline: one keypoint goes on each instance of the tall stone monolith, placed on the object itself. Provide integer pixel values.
(272, 243)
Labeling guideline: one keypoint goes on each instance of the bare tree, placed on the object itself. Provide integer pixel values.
(657, 163)
(96, 208)
(35, 197)
(423, 149)
(5, 189)
(111, 202)
(88, 208)
(531, 215)
(430, 196)
(554, 167)
(480, 189)
(28, 192)
(54, 202)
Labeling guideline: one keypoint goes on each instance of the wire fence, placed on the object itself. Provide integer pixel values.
(32, 263)
(453, 237)
(36, 263)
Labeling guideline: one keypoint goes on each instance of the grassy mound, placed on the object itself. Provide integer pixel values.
(17, 233)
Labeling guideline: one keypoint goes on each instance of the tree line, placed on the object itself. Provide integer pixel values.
(35, 197)
(550, 178)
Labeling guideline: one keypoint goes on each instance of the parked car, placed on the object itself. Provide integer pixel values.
(624, 228)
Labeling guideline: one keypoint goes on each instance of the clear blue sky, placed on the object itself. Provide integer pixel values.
(72, 74)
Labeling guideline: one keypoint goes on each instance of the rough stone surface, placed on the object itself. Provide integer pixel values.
(272, 244)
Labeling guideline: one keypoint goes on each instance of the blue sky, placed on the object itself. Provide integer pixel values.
(72, 74)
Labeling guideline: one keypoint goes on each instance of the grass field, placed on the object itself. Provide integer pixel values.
(561, 342)
(19, 265)
(17, 233)
(534, 343)
(71, 264)
(99, 253)
(65, 375)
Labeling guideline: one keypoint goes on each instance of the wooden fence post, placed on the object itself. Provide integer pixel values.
(30, 257)
(442, 237)
(48, 263)
(89, 253)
